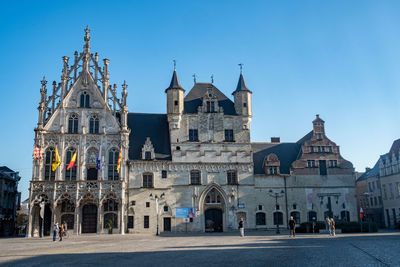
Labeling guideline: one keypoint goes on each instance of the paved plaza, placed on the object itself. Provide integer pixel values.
(224, 249)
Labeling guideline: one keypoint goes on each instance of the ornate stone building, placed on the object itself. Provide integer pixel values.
(197, 156)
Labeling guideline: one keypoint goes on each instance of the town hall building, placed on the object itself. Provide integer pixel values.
(99, 166)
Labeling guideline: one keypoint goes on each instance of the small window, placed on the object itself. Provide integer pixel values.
(231, 177)
(193, 135)
(130, 222)
(195, 177)
(94, 125)
(310, 163)
(146, 223)
(277, 207)
(163, 174)
(147, 180)
(73, 124)
(244, 104)
(294, 206)
(311, 149)
(259, 207)
(85, 103)
(176, 102)
(273, 170)
(229, 135)
(319, 136)
(133, 202)
(147, 155)
(147, 204)
(329, 149)
(166, 208)
(332, 163)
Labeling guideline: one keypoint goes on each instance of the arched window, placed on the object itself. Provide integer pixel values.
(85, 100)
(312, 216)
(110, 205)
(195, 177)
(296, 216)
(148, 180)
(260, 218)
(70, 175)
(213, 197)
(278, 218)
(94, 125)
(112, 164)
(73, 123)
(67, 210)
(49, 175)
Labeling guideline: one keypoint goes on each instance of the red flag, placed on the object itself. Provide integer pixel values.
(119, 160)
(72, 162)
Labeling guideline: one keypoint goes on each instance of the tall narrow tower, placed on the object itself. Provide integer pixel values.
(175, 94)
(242, 99)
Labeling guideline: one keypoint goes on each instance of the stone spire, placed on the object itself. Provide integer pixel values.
(175, 84)
(86, 46)
(241, 86)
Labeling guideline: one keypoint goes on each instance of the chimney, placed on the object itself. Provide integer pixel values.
(367, 169)
(275, 139)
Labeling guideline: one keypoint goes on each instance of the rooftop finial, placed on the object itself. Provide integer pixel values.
(43, 82)
(86, 46)
(241, 67)
(194, 77)
(212, 78)
(174, 63)
(124, 85)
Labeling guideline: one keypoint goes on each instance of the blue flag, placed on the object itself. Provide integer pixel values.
(98, 165)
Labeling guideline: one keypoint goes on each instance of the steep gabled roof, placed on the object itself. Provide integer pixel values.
(154, 126)
(194, 99)
(374, 172)
(286, 153)
(241, 86)
(175, 84)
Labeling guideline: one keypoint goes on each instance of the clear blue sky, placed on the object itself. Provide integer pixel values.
(340, 59)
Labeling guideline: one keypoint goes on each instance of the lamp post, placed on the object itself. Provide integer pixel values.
(156, 198)
(276, 195)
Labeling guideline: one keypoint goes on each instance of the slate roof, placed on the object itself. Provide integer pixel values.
(154, 126)
(241, 86)
(286, 152)
(175, 84)
(194, 99)
(370, 173)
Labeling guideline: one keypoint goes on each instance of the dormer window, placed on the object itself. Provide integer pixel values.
(272, 164)
(148, 150)
(85, 100)
(210, 106)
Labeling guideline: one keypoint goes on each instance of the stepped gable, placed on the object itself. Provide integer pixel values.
(194, 99)
(154, 126)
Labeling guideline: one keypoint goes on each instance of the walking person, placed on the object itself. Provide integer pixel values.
(292, 226)
(55, 230)
(241, 227)
(328, 224)
(332, 227)
(61, 231)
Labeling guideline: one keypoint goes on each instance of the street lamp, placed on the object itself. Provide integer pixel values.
(276, 195)
(156, 198)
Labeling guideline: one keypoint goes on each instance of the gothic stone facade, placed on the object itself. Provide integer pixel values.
(197, 156)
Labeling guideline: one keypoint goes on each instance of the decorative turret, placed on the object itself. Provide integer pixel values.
(124, 108)
(175, 104)
(175, 94)
(318, 127)
(42, 104)
(242, 97)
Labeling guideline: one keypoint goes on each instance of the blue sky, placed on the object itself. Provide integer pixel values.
(339, 59)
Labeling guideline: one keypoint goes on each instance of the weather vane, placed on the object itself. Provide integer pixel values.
(212, 78)
(241, 67)
(194, 77)
(174, 64)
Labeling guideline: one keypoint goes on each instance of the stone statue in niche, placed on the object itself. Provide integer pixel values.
(92, 157)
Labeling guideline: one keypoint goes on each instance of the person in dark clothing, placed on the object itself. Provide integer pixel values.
(241, 227)
(292, 226)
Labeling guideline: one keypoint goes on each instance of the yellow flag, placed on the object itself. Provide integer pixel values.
(56, 161)
(119, 160)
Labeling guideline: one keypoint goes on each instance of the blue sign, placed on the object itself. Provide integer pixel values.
(185, 212)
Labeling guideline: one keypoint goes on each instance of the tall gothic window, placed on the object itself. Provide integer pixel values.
(112, 164)
(148, 180)
(229, 135)
(195, 177)
(49, 175)
(70, 175)
(94, 125)
(85, 100)
(73, 124)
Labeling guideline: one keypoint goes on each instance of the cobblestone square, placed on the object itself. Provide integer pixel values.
(223, 249)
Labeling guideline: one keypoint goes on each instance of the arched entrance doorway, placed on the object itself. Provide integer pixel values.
(213, 220)
(89, 218)
(214, 210)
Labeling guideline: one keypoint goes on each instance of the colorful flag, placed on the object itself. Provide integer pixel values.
(98, 165)
(56, 160)
(119, 160)
(37, 153)
(72, 162)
